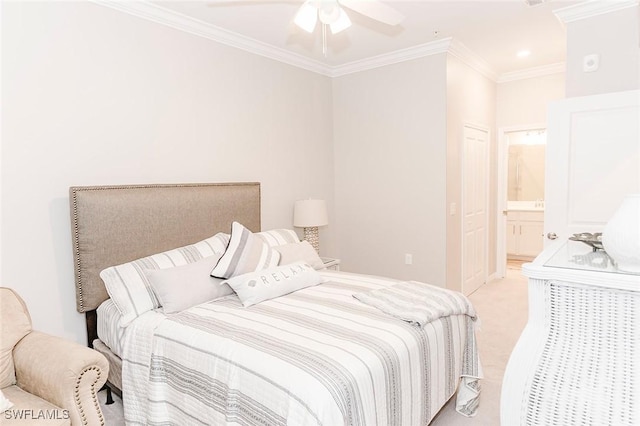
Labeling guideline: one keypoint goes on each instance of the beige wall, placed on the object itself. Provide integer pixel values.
(524, 102)
(613, 36)
(390, 169)
(471, 99)
(94, 96)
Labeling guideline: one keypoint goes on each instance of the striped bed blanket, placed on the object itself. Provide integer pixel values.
(417, 303)
(314, 357)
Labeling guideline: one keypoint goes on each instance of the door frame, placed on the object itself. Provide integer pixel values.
(486, 129)
(501, 208)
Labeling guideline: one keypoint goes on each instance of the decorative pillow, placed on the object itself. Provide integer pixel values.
(278, 237)
(256, 287)
(246, 252)
(129, 287)
(299, 252)
(5, 404)
(185, 286)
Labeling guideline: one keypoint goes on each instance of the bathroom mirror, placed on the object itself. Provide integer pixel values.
(526, 165)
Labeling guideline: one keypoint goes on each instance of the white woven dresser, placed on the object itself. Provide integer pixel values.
(578, 359)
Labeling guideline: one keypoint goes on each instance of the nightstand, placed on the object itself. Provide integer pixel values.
(331, 263)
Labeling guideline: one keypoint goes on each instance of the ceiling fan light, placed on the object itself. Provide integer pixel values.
(342, 23)
(329, 12)
(307, 17)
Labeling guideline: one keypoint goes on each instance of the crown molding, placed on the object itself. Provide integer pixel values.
(591, 8)
(540, 71)
(470, 58)
(155, 13)
(414, 52)
(170, 18)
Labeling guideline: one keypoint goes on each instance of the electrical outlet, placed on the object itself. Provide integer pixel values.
(408, 259)
(591, 63)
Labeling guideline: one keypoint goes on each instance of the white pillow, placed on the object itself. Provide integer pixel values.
(256, 287)
(278, 237)
(129, 288)
(5, 404)
(299, 252)
(185, 286)
(245, 253)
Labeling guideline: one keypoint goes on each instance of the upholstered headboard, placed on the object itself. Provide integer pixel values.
(111, 225)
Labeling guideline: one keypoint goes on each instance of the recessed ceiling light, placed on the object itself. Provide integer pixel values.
(523, 53)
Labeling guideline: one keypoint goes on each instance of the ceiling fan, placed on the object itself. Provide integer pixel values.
(332, 13)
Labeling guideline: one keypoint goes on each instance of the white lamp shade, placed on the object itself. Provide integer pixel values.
(308, 213)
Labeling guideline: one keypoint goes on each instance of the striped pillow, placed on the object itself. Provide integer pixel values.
(246, 252)
(279, 237)
(129, 288)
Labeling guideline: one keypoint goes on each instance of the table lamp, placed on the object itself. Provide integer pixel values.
(310, 214)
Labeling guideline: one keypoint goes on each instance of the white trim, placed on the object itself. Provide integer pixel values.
(470, 58)
(161, 15)
(501, 198)
(540, 71)
(164, 16)
(415, 52)
(173, 19)
(591, 8)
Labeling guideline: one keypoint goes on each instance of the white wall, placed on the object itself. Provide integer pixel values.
(94, 96)
(614, 37)
(525, 102)
(390, 166)
(471, 99)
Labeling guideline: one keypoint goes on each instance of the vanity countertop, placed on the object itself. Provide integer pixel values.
(525, 206)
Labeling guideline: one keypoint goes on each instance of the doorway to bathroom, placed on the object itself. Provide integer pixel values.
(521, 195)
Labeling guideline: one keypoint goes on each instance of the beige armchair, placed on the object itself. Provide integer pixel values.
(49, 380)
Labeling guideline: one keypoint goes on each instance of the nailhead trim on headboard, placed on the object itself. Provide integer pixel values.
(81, 302)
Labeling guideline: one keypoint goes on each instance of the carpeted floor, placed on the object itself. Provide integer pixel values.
(502, 308)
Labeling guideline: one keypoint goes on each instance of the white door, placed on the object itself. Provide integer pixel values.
(474, 200)
(592, 161)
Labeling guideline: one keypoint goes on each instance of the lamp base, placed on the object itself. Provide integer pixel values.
(311, 235)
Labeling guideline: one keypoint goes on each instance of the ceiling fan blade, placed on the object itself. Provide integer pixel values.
(214, 3)
(375, 9)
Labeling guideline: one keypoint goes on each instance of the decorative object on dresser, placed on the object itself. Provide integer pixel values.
(310, 214)
(577, 361)
(621, 236)
(593, 240)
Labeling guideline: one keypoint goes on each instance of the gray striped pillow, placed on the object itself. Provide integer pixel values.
(279, 237)
(246, 252)
(129, 288)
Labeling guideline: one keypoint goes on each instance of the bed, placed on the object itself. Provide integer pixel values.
(315, 356)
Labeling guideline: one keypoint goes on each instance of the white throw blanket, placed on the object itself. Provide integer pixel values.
(417, 303)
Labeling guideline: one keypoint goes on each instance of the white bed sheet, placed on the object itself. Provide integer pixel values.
(140, 346)
(108, 325)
